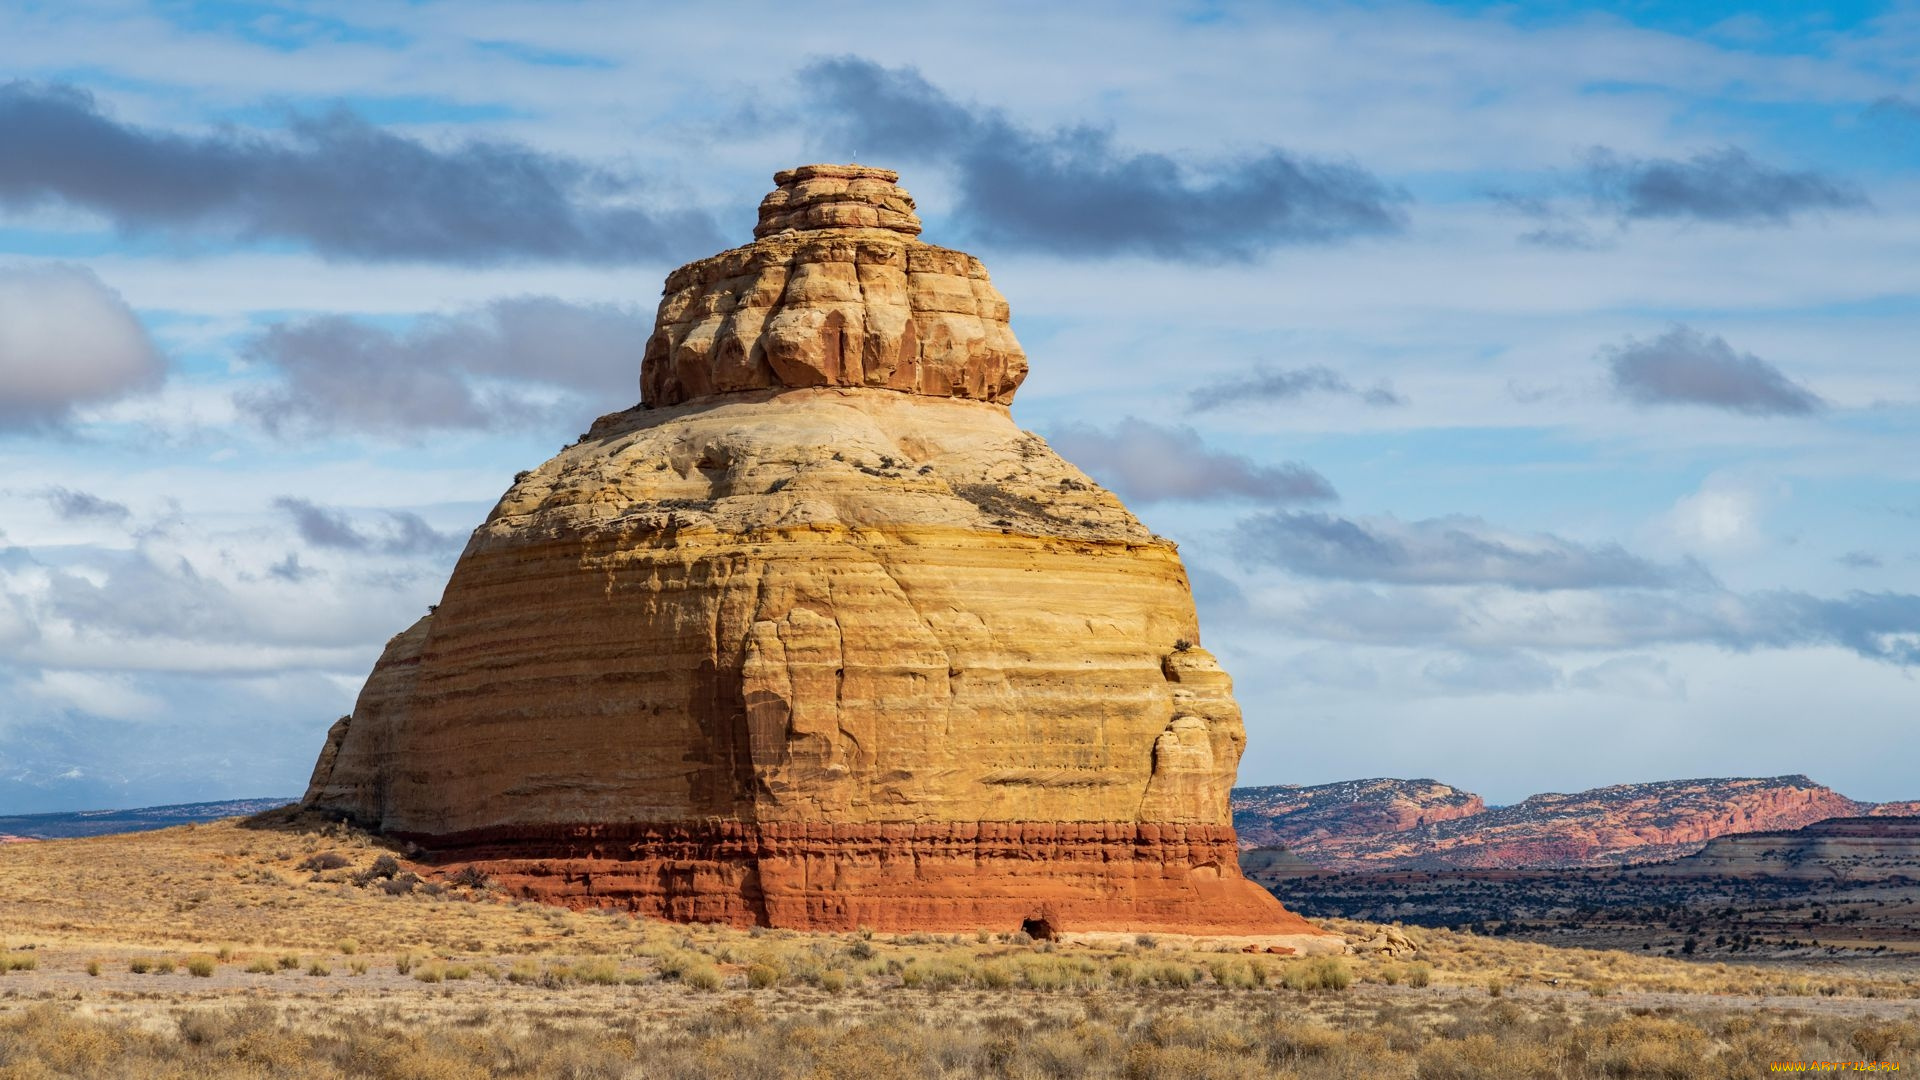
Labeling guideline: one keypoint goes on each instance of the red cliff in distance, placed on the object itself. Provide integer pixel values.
(1423, 824)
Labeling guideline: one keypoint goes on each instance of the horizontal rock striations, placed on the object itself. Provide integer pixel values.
(1869, 848)
(1406, 824)
(816, 637)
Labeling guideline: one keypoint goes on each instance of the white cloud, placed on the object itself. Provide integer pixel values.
(111, 696)
(66, 339)
(1632, 676)
(1723, 516)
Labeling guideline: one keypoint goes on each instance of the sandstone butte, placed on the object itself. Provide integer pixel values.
(815, 636)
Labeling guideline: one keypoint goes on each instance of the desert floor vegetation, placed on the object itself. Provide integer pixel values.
(315, 951)
(635, 1033)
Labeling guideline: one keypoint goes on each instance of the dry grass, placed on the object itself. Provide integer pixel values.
(346, 976)
(1462, 959)
(784, 1034)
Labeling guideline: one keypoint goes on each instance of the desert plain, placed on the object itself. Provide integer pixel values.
(292, 946)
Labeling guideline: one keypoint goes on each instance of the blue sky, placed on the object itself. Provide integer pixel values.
(1531, 387)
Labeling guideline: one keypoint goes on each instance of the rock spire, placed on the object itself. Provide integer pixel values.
(835, 291)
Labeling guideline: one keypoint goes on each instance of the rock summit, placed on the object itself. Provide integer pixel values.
(815, 636)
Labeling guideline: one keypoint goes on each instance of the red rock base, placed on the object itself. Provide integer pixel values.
(944, 877)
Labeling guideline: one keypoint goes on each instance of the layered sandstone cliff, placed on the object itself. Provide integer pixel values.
(1403, 824)
(816, 636)
(1865, 848)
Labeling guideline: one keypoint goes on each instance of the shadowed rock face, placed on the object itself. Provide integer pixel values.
(809, 640)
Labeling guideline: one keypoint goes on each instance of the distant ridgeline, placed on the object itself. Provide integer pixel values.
(1383, 824)
(102, 822)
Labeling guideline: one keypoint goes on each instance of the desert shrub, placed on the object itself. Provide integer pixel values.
(18, 961)
(163, 966)
(1484, 1055)
(322, 861)
(319, 967)
(833, 982)
(761, 976)
(357, 966)
(200, 966)
(402, 884)
(599, 973)
(429, 973)
(1146, 941)
(523, 973)
(703, 976)
(261, 966)
(1876, 1040)
(1235, 974)
(1647, 1046)
(1317, 973)
(473, 877)
(384, 867)
(1419, 975)
(289, 962)
(1292, 1041)
(941, 974)
(348, 946)
(404, 963)
(1176, 976)
(93, 968)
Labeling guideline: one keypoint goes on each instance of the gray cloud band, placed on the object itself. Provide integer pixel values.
(403, 532)
(1073, 191)
(340, 373)
(1441, 582)
(1725, 185)
(1146, 462)
(1686, 367)
(1444, 551)
(1268, 385)
(332, 182)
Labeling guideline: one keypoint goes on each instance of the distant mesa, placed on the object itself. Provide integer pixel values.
(62, 825)
(815, 636)
(1386, 824)
(1871, 848)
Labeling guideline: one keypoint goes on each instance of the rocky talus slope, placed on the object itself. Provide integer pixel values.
(816, 636)
(1422, 824)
